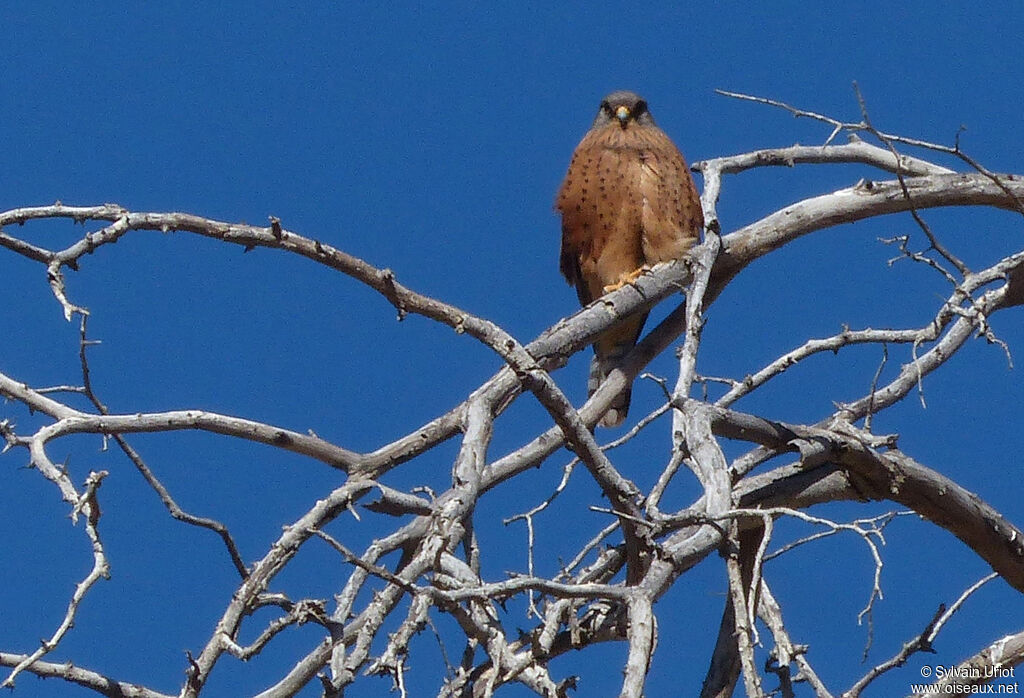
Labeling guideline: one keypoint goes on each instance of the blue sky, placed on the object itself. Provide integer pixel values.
(431, 140)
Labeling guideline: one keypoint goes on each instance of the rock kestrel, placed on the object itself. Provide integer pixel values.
(628, 202)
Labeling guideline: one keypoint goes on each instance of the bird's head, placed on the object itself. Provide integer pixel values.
(623, 108)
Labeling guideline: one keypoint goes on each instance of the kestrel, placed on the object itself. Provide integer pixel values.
(628, 202)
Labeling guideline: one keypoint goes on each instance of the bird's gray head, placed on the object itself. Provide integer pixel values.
(623, 108)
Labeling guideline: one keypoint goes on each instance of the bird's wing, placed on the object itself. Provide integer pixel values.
(671, 216)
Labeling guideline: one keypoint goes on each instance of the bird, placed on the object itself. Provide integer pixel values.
(627, 202)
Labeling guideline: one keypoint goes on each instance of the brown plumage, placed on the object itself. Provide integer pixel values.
(628, 202)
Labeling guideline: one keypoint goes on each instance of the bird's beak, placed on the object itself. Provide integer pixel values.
(622, 114)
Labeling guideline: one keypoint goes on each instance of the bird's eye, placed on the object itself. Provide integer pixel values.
(606, 107)
(640, 108)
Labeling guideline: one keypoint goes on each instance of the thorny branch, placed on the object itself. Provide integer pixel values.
(425, 559)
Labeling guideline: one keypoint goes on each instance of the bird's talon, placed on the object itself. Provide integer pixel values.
(627, 279)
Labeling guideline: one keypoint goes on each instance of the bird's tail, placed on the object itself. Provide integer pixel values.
(610, 349)
(600, 367)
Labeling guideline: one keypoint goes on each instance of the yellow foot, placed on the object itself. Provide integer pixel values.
(627, 278)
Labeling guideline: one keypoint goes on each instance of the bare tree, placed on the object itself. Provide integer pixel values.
(607, 590)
